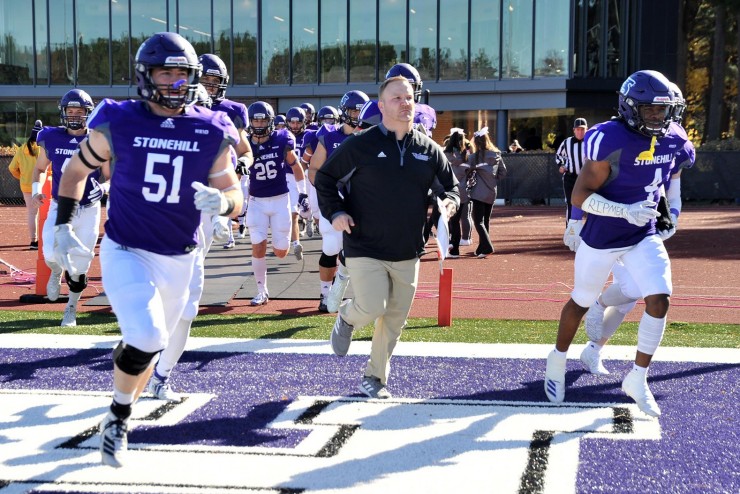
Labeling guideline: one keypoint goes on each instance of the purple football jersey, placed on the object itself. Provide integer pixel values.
(331, 138)
(59, 147)
(426, 116)
(633, 178)
(267, 174)
(237, 112)
(153, 162)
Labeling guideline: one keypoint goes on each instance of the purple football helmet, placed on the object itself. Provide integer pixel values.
(328, 115)
(352, 100)
(260, 110)
(640, 90)
(680, 103)
(370, 115)
(310, 112)
(214, 66)
(409, 72)
(280, 122)
(76, 98)
(167, 50)
(296, 119)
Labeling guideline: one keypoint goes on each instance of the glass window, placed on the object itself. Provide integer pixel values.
(245, 42)
(334, 41)
(362, 23)
(147, 18)
(275, 20)
(517, 39)
(453, 40)
(392, 35)
(16, 43)
(93, 58)
(222, 33)
(423, 38)
(42, 44)
(551, 38)
(593, 37)
(121, 61)
(194, 24)
(614, 40)
(485, 32)
(305, 42)
(62, 37)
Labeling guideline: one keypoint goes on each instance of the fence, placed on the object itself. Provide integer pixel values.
(533, 178)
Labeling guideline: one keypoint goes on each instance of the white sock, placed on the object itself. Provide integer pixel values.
(325, 287)
(595, 346)
(560, 354)
(73, 299)
(296, 242)
(123, 398)
(641, 370)
(259, 268)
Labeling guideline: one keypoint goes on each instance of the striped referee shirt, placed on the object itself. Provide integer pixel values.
(571, 155)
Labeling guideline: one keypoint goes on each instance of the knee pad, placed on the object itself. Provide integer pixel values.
(326, 261)
(76, 286)
(132, 361)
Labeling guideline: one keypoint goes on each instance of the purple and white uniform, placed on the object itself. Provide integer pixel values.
(237, 112)
(426, 116)
(269, 204)
(332, 240)
(148, 253)
(59, 146)
(607, 240)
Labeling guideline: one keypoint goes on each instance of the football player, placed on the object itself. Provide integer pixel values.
(269, 202)
(296, 119)
(628, 159)
(310, 116)
(57, 146)
(331, 240)
(166, 151)
(280, 122)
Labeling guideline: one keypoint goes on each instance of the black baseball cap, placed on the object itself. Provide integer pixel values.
(580, 122)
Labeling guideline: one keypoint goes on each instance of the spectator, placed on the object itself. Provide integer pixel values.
(21, 167)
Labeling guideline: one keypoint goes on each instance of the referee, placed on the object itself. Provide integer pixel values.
(570, 158)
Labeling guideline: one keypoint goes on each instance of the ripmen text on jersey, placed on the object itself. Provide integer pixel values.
(152, 167)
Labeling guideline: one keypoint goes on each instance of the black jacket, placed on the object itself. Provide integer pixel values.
(387, 198)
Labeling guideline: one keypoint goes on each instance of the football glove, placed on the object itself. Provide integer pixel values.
(666, 234)
(209, 200)
(572, 235)
(220, 228)
(69, 251)
(640, 213)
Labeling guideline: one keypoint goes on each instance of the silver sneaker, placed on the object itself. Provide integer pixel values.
(595, 321)
(70, 316)
(113, 440)
(341, 336)
(298, 251)
(591, 360)
(555, 378)
(309, 228)
(54, 285)
(261, 299)
(636, 387)
(336, 292)
(162, 390)
(373, 388)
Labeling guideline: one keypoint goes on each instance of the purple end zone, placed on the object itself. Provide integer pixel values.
(699, 450)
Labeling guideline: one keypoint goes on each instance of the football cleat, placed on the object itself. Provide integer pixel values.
(162, 390)
(70, 316)
(261, 299)
(341, 336)
(113, 440)
(595, 321)
(298, 251)
(591, 360)
(309, 228)
(229, 245)
(322, 305)
(636, 387)
(54, 285)
(242, 231)
(335, 296)
(555, 377)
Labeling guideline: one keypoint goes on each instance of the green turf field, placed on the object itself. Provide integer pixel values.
(319, 327)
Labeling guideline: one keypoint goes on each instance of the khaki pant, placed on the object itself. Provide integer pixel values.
(383, 292)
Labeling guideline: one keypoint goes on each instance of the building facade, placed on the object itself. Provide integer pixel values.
(524, 68)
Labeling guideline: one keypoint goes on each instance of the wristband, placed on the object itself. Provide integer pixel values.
(301, 186)
(596, 204)
(576, 213)
(675, 212)
(66, 208)
(35, 188)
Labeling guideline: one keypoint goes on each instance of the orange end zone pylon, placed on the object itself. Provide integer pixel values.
(42, 270)
(444, 307)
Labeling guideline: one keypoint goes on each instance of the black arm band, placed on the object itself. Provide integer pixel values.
(66, 208)
(85, 162)
(94, 154)
(231, 207)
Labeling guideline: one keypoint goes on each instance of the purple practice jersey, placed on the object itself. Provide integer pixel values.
(267, 174)
(237, 112)
(331, 138)
(59, 147)
(426, 116)
(153, 162)
(633, 178)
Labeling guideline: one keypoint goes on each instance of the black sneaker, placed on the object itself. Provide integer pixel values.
(322, 305)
